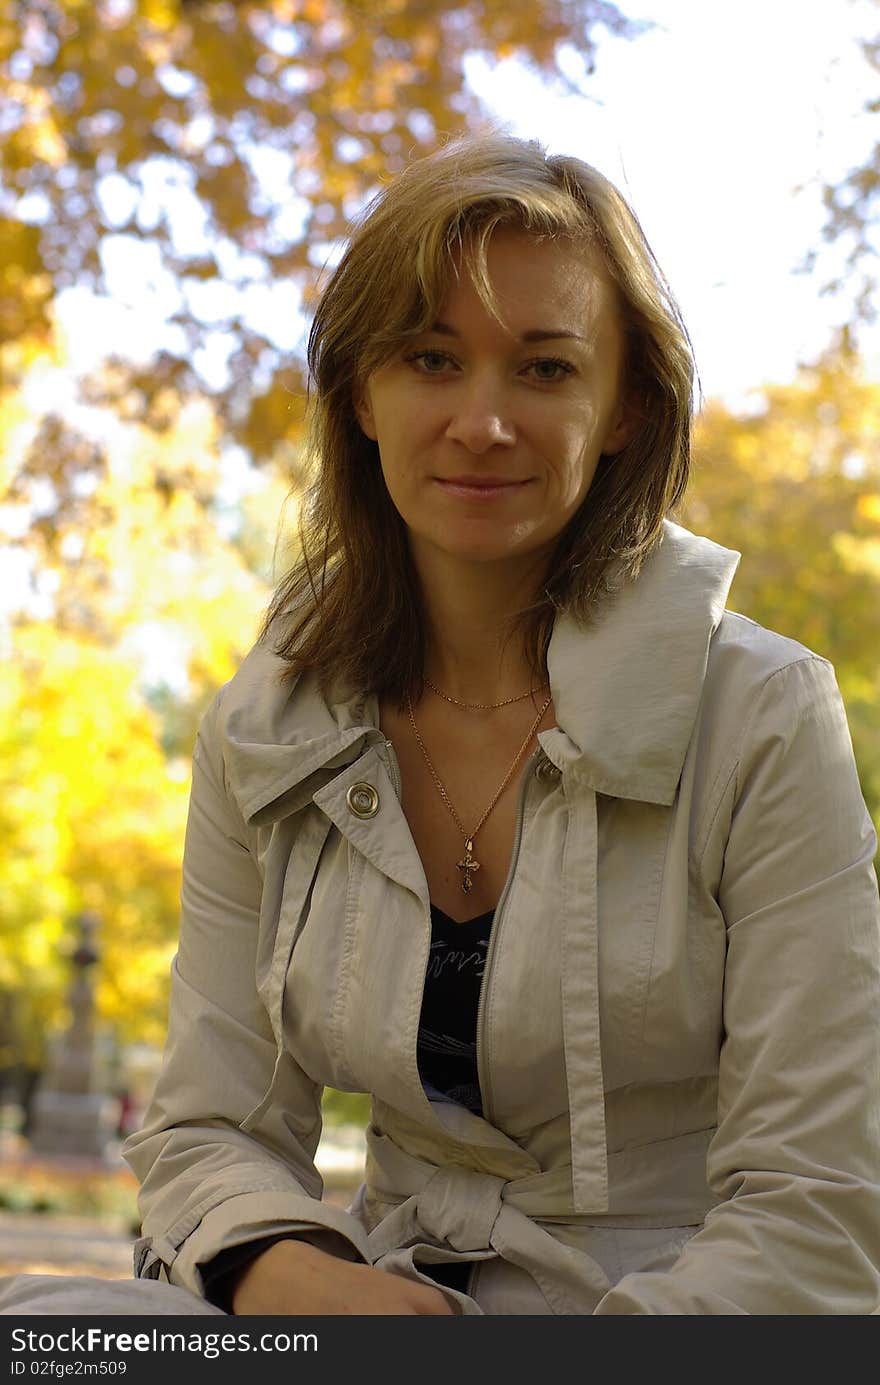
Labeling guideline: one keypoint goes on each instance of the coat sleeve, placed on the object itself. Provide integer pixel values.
(207, 1185)
(796, 1155)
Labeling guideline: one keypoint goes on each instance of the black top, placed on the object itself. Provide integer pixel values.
(447, 1044)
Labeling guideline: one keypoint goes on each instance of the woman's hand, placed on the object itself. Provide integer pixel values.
(294, 1278)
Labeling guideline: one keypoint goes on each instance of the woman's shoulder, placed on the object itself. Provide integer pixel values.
(692, 565)
(759, 678)
(254, 698)
(268, 729)
(249, 720)
(742, 645)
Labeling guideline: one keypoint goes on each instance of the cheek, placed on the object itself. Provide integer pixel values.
(388, 472)
(574, 471)
(580, 448)
(398, 476)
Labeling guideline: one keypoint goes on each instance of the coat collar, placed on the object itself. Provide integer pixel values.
(626, 691)
(627, 688)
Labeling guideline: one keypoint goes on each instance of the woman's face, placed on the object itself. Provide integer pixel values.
(489, 432)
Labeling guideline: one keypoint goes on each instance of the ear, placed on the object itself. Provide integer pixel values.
(623, 428)
(364, 411)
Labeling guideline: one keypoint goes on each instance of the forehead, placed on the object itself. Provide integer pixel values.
(561, 282)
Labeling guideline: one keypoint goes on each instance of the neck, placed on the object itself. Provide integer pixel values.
(469, 655)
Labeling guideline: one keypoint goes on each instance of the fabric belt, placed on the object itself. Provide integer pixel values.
(473, 1212)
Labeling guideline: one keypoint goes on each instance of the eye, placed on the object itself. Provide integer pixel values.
(430, 362)
(548, 369)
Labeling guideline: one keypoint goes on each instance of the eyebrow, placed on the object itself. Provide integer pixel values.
(534, 333)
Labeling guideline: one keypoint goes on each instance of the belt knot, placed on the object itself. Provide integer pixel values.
(461, 1207)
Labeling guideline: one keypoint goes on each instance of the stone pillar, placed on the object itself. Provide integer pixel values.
(71, 1116)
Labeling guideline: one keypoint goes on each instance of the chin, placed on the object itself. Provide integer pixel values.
(519, 561)
(488, 552)
(487, 547)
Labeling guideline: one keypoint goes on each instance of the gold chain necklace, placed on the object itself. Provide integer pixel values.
(469, 864)
(481, 706)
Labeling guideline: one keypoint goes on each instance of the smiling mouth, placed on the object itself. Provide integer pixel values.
(478, 488)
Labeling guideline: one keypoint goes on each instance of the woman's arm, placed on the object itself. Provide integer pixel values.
(206, 1184)
(797, 1151)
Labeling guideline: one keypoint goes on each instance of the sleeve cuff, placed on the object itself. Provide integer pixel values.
(258, 1216)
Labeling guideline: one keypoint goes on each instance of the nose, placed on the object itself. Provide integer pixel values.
(481, 419)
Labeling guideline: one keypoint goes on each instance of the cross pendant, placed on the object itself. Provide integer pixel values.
(469, 864)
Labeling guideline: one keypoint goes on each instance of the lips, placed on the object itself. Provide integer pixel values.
(480, 480)
(479, 487)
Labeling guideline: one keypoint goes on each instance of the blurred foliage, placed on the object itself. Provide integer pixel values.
(115, 523)
(795, 488)
(146, 609)
(345, 1108)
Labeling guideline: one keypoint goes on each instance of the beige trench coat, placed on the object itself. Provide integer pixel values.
(679, 1028)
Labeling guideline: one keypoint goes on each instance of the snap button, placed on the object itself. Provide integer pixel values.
(547, 771)
(363, 800)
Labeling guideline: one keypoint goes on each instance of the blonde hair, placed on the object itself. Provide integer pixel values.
(351, 607)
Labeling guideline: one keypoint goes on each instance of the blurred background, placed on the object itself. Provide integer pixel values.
(176, 178)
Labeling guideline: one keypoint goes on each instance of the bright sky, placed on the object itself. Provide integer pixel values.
(708, 125)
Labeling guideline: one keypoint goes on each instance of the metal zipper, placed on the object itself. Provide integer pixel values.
(392, 766)
(482, 1074)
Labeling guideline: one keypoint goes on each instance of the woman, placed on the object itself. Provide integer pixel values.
(509, 823)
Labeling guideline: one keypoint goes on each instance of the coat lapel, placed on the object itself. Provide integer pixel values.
(627, 687)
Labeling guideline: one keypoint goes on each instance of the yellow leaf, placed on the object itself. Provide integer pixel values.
(868, 507)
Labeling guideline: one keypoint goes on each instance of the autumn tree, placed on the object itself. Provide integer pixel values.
(795, 487)
(92, 817)
(141, 607)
